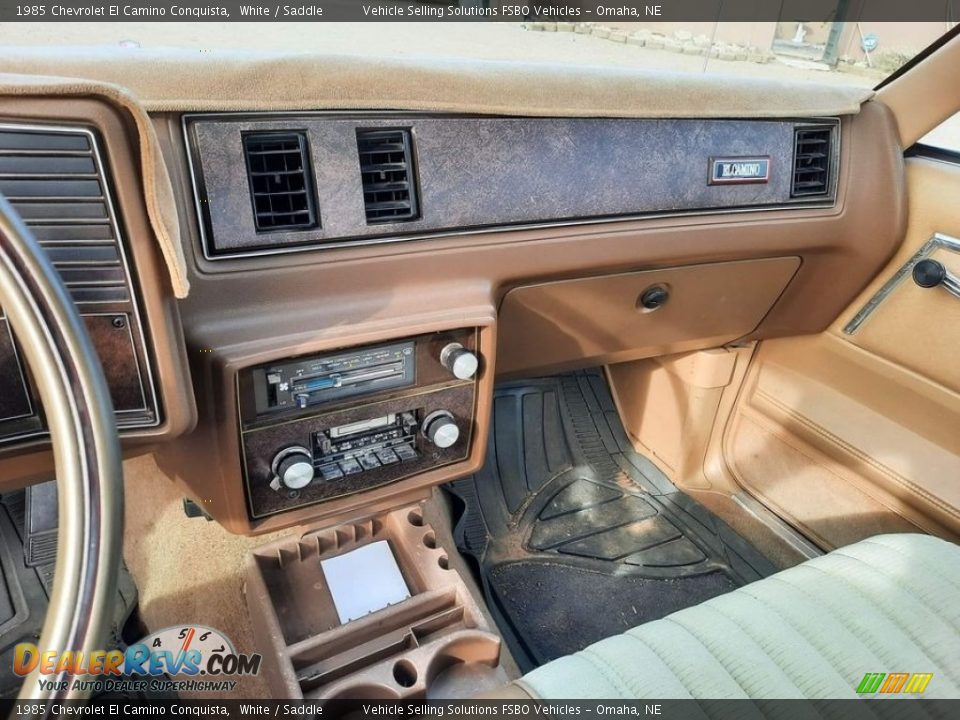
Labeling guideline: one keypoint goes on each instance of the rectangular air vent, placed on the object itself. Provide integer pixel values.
(278, 167)
(386, 168)
(57, 180)
(53, 181)
(811, 161)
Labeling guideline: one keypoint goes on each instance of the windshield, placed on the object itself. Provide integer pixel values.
(828, 52)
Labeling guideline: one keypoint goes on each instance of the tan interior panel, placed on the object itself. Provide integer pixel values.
(674, 409)
(807, 490)
(602, 319)
(917, 328)
(669, 404)
(927, 95)
(846, 445)
(853, 432)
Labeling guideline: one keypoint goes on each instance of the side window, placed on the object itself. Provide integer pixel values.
(946, 136)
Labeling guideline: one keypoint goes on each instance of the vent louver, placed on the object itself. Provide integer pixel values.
(811, 161)
(278, 168)
(386, 168)
(53, 180)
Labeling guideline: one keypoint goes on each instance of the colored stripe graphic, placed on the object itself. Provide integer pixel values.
(894, 683)
(918, 682)
(870, 683)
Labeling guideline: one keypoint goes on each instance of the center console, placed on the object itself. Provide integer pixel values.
(431, 642)
(372, 608)
(322, 426)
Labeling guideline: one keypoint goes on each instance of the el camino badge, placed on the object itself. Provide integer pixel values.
(726, 170)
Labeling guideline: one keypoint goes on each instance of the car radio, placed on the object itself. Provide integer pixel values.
(303, 383)
(323, 426)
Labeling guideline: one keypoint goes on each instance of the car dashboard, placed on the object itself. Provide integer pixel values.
(359, 278)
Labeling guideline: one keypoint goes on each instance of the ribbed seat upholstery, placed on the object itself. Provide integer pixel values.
(888, 604)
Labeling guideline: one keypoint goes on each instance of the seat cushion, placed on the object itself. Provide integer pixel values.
(889, 604)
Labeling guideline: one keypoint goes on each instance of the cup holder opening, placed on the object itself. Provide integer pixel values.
(444, 562)
(464, 667)
(415, 518)
(430, 540)
(405, 673)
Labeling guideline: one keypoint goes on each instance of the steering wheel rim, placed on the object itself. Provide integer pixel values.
(79, 415)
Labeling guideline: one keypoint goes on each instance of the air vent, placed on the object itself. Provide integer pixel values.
(386, 168)
(811, 161)
(54, 182)
(280, 188)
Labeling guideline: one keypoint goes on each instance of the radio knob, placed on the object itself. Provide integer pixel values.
(459, 361)
(441, 429)
(294, 467)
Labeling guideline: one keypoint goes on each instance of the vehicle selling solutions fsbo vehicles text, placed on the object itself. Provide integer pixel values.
(557, 12)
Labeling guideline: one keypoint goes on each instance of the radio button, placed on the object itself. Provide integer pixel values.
(387, 456)
(405, 452)
(331, 472)
(350, 466)
(369, 461)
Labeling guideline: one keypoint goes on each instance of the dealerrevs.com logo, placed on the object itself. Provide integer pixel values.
(190, 658)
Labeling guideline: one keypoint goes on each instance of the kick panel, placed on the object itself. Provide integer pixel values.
(323, 426)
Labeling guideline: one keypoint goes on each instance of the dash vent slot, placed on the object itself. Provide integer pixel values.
(811, 161)
(281, 192)
(53, 180)
(59, 182)
(386, 168)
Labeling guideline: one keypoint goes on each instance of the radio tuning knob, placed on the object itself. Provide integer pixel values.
(293, 467)
(459, 361)
(441, 429)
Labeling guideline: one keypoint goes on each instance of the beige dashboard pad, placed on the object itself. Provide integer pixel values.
(173, 79)
(138, 81)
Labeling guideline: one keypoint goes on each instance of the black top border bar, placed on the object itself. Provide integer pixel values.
(603, 11)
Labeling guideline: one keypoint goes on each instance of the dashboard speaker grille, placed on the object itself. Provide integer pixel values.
(386, 168)
(811, 161)
(53, 181)
(280, 188)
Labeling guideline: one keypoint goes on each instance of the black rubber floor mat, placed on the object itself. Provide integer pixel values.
(26, 578)
(576, 536)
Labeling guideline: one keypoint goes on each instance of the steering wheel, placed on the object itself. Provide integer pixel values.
(86, 451)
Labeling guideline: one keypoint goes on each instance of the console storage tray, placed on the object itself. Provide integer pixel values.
(433, 644)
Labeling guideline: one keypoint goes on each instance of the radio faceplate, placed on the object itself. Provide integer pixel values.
(304, 383)
(417, 414)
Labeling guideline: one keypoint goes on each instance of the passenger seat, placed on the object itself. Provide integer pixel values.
(889, 604)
